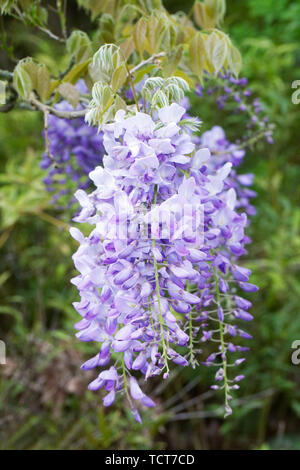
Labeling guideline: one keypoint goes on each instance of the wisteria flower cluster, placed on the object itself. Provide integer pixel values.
(75, 149)
(233, 95)
(158, 274)
(222, 151)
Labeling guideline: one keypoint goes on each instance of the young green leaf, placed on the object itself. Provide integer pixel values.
(79, 46)
(197, 54)
(43, 82)
(25, 77)
(172, 60)
(235, 60)
(70, 93)
(119, 77)
(139, 35)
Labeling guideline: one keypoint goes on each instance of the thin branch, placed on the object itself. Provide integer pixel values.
(47, 141)
(49, 33)
(247, 143)
(57, 112)
(20, 16)
(147, 61)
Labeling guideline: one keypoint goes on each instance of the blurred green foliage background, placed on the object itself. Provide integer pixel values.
(43, 399)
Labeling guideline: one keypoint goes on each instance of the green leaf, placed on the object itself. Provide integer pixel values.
(159, 92)
(76, 72)
(43, 82)
(100, 108)
(151, 5)
(139, 35)
(235, 61)
(175, 88)
(200, 14)
(119, 77)
(105, 61)
(205, 16)
(215, 11)
(25, 77)
(159, 99)
(127, 47)
(70, 93)
(197, 54)
(107, 28)
(219, 52)
(169, 34)
(219, 7)
(119, 103)
(98, 6)
(150, 86)
(79, 46)
(155, 32)
(172, 60)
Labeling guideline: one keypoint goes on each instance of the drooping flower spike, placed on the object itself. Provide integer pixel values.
(76, 148)
(164, 241)
(233, 95)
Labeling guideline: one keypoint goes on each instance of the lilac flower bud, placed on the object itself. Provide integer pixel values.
(240, 274)
(123, 276)
(232, 348)
(131, 282)
(121, 346)
(110, 374)
(91, 363)
(242, 303)
(228, 411)
(244, 334)
(220, 314)
(211, 358)
(220, 375)
(247, 287)
(181, 307)
(96, 384)
(109, 398)
(231, 330)
(105, 294)
(128, 359)
(238, 378)
(137, 334)
(179, 360)
(215, 387)
(135, 390)
(139, 361)
(243, 315)
(146, 401)
(223, 285)
(136, 415)
(125, 332)
(239, 361)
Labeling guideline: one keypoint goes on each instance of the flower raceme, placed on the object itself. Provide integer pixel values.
(75, 148)
(158, 271)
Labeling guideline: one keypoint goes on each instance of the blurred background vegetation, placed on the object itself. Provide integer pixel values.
(43, 399)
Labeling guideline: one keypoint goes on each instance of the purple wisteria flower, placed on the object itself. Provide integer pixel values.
(233, 95)
(161, 255)
(76, 149)
(224, 151)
